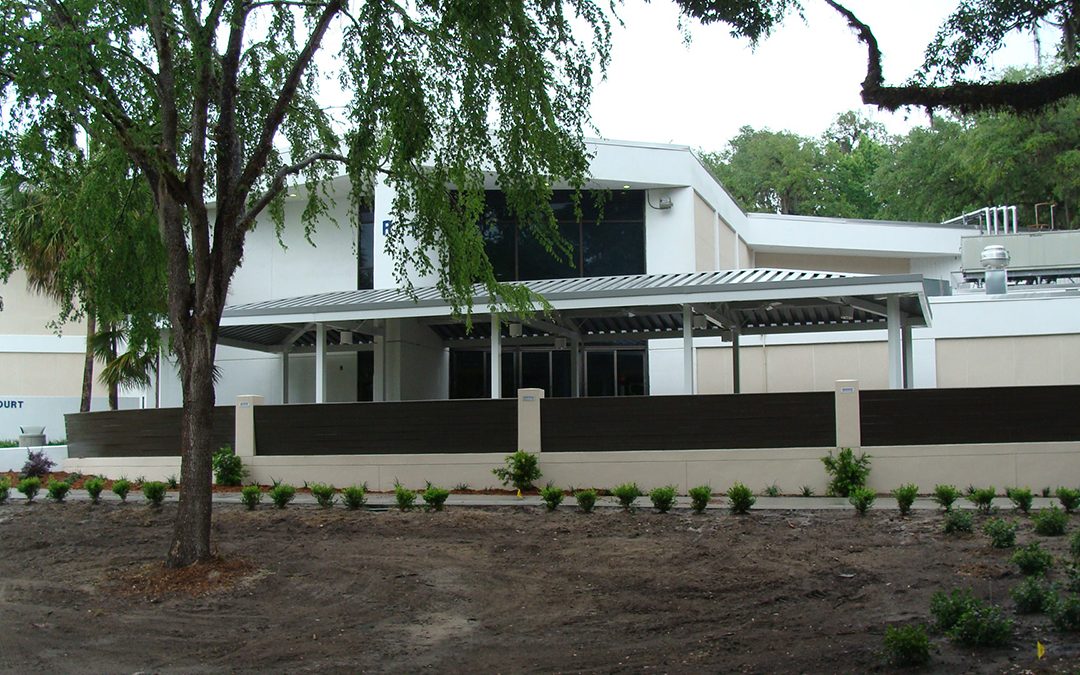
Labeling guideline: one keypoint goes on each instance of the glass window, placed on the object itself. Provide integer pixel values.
(365, 249)
(630, 373)
(560, 374)
(600, 373)
(468, 374)
(536, 370)
(534, 262)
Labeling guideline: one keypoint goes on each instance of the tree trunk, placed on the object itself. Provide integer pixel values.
(191, 535)
(88, 365)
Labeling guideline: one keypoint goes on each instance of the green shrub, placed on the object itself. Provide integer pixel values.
(250, 496)
(1050, 522)
(5, 489)
(121, 488)
(1032, 595)
(1074, 546)
(806, 491)
(1021, 498)
(281, 494)
(1032, 559)
(29, 488)
(228, 469)
(1046, 491)
(1065, 613)
(172, 482)
(1069, 498)
(947, 608)
(325, 495)
(94, 487)
(741, 498)
(982, 626)
(154, 492)
(552, 496)
(435, 497)
(772, 490)
(946, 496)
(1072, 577)
(663, 498)
(354, 496)
(522, 468)
(906, 646)
(57, 490)
(958, 521)
(626, 494)
(586, 499)
(846, 471)
(905, 497)
(982, 498)
(404, 497)
(1002, 532)
(699, 497)
(862, 498)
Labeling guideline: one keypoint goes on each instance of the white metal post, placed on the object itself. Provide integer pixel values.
(496, 357)
(896, 352)
(688, 349)
(320, 363)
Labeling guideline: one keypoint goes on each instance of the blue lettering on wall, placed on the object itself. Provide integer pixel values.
(11, 405)
(387, 225)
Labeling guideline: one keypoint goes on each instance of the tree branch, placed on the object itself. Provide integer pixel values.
(964, 97)
(277, 183)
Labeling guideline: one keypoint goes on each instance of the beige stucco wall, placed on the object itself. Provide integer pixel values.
(704, 235)
(726, 241)
(1008, 361)
(794, 367)
(746, 256)
(1001, 465)
(43, 374)
(29, 313)
(833, 263)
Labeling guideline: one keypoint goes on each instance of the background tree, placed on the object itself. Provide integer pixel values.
(220, 99)
(769, 171)
(81, 225)
(974, 31)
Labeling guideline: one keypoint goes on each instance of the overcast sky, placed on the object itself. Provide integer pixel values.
(662, 90)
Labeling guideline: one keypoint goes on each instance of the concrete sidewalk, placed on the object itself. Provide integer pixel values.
(385, 499)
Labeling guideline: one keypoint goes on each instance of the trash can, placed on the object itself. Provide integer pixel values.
(31, 437)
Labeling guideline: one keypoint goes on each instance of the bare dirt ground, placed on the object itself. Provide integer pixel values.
(511, 589)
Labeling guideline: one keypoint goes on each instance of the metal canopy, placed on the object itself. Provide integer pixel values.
(645, 306)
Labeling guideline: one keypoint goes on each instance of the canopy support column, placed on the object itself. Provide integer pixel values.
(688, 349)
(320, 363)
(496, 357)
(896, 351)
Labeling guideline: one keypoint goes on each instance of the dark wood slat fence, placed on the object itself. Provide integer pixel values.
(153, 432)
(700, 422)
(477, 425)
(970, 415)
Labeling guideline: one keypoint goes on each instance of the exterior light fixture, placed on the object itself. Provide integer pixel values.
(699, 322)
(847, 313)
(560, 343)
(515, 330)
(626, 187)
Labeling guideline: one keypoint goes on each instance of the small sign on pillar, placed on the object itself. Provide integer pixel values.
(529, 419)
(848, 416)
(245, 424)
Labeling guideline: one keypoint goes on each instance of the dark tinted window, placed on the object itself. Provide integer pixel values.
(608, 238)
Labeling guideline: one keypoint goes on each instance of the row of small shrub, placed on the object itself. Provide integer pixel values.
(57, 490)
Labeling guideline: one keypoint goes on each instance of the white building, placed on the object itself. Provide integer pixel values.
(668, 224)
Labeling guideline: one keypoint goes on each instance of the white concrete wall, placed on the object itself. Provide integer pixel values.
(416, 364)
(1021, 464)
(271, 271)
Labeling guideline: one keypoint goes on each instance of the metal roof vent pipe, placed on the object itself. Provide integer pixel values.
(995, 260)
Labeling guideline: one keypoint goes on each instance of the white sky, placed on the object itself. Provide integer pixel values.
(661, 90)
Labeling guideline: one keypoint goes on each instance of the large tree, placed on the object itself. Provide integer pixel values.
(217, 103)
(975, 30)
